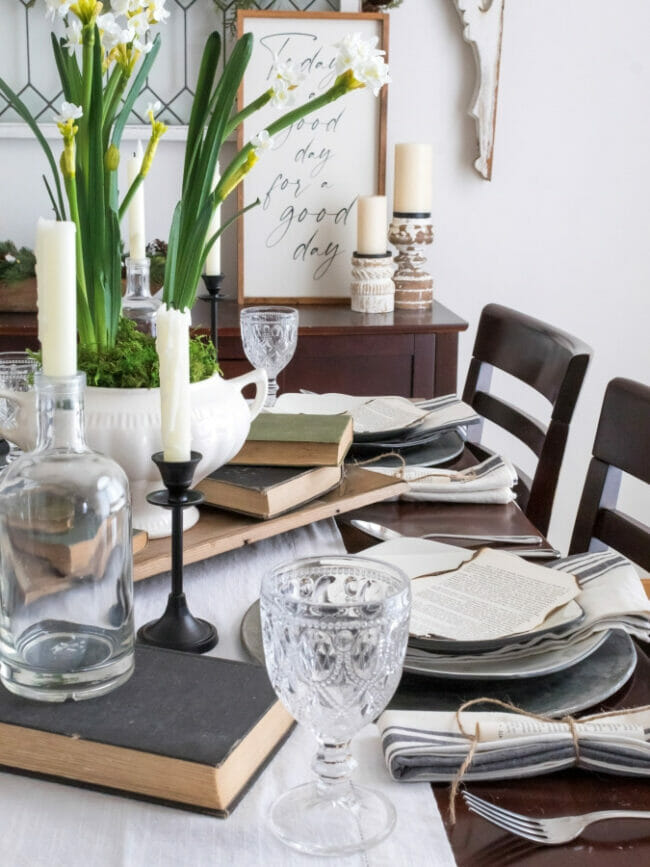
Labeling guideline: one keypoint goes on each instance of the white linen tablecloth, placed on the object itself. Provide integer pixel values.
(50, 825)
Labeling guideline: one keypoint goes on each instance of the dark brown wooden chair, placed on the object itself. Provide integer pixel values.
(548, 360)
(622, 445)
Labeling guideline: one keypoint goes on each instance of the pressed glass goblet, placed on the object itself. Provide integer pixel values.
(269, 336)
(335, 632)
(17, 371)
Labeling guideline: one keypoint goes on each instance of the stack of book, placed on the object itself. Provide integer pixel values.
(287, 461)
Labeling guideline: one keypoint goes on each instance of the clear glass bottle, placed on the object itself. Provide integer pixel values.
(66, 563)
(138, 304)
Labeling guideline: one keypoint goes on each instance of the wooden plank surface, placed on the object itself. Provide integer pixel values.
(219, 531)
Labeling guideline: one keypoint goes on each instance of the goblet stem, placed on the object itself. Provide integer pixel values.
(272, 392)
(333, 765)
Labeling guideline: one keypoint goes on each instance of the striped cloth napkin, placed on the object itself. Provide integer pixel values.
(430, 745)
(611, 595)
(488, 482)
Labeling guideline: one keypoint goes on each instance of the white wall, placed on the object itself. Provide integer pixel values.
(560, 232)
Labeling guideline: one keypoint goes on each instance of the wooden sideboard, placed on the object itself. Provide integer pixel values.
(409, 352)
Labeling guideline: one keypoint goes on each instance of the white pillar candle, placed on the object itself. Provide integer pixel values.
(372, 225)
(173, 347)
(137, 241)
(413, 178)
(56, 273)
(213, 259)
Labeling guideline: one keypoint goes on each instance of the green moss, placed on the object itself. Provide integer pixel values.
(15, 265)
(133, 361)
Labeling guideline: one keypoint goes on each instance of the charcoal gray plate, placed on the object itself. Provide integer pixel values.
(442, 448)
(583, 685)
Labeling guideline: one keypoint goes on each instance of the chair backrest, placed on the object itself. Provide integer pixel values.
(622, 445)
(553, 363)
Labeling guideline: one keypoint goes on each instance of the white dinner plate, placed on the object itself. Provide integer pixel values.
(536, 665)
(424, 556)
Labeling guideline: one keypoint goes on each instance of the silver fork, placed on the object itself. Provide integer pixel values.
(549, 831)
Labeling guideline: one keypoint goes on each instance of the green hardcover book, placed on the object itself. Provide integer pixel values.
(188, 731)
(296, 440)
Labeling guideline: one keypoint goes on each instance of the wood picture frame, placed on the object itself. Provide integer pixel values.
(291, 256)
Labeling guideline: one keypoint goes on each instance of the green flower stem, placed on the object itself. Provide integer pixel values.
(110, 91)
(233, 174)
(129, 195)
(222, 229)
(112, 101)
(246, 112)
(85, 325)
(88, 37)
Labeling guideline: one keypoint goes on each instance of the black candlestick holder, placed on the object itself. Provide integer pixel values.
(213, 285)
(178, 629)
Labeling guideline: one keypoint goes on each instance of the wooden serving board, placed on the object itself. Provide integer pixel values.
(218, 530)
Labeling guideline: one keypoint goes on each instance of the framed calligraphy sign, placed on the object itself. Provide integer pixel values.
(295, 247)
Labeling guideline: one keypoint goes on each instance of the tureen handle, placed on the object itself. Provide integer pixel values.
(260, 380)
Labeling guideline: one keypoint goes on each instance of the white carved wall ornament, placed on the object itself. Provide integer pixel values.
(483, 30)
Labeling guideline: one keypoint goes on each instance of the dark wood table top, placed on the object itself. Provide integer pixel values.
(475, 842)
(328, 319)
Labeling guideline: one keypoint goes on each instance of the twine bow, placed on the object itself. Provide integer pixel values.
(570, 721)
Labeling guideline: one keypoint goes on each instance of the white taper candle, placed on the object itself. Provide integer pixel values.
(213, 260)
(56, 274)
(173, 347)
(137, 240)
(372, 225)
(413, 178)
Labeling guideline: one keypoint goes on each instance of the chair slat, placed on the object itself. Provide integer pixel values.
(545, 358)
(620, 445)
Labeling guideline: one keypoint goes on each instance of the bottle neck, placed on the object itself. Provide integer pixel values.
(60, 412)
(138, 283)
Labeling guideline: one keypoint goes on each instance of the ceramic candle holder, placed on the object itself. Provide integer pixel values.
(372, 289)
(410, 233)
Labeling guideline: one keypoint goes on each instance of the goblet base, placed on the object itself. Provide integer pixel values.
(319, 823)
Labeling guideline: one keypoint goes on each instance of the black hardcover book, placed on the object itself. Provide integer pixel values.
(185, 730)
(265, 492)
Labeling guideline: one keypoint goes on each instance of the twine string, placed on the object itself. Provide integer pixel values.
(400, 471)
(474, 738)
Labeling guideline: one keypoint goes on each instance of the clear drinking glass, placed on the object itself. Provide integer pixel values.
(66, 583)
(17, 371)
(269, 336)
(335, 632)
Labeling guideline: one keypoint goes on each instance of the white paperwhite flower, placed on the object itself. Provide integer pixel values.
(69, 111)
(57, 7)
(143, 47)
(262, 141)
(73, 35)
(152, 109)
(353, 49)
(288, 73)
(113, 34)
(157, 11)
(364, 59)
(283, 97)
(373, 73)
(140, 24)
(121, 7)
